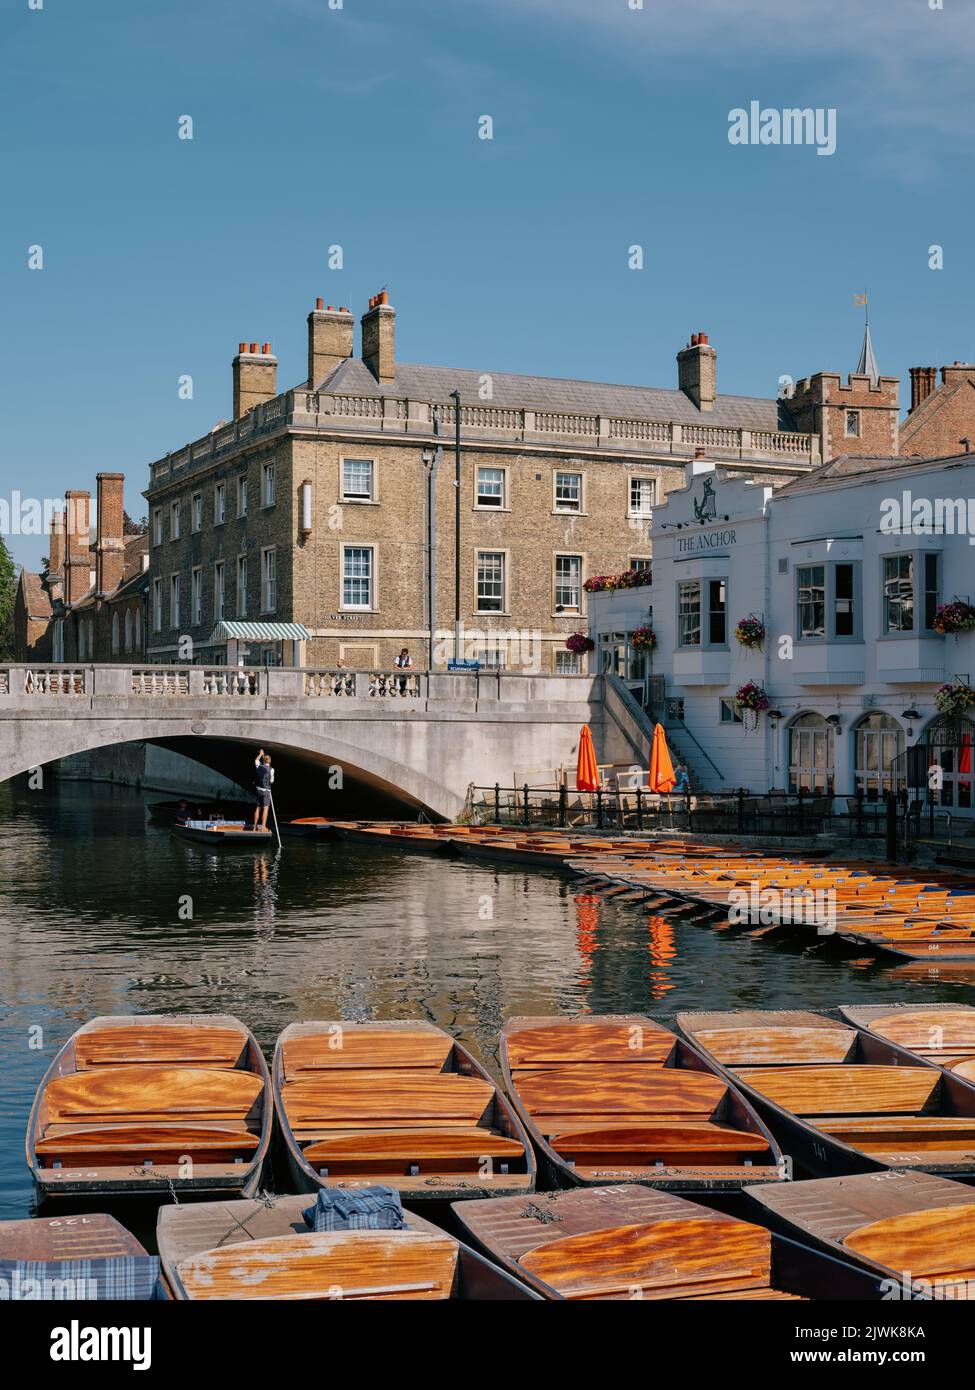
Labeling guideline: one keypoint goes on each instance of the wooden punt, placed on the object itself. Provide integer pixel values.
(634, 1241)
(264, 1250)
(915, 1230)
(83, 1256)
(235, 833)
(617, 1098)
(166, 812)
(412, 836)
(396, 1103)
(305, 827)
(135, 1106)
(839, 1099)
(940, 1033)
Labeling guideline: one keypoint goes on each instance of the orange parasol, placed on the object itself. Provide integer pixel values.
(587, 773)
(662, 777)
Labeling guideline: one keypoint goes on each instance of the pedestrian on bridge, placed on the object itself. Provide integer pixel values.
(263, 779)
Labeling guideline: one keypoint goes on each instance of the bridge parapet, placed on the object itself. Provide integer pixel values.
(57, 690)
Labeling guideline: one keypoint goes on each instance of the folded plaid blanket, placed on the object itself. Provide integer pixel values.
(359, 1209)
(120, 1276)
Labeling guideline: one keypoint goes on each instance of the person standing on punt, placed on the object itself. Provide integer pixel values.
(263, 779)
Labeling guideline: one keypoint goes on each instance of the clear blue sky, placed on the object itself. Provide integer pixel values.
(358, 126)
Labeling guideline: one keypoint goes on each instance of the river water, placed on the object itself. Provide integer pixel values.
(94, 905)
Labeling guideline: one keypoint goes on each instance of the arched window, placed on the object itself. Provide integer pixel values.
(811, 755)
(950, 747)
(879, 740)
(115, 634)
(128, 629)
(138, 630)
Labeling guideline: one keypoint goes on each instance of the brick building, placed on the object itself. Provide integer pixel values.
(941, 418)
(332, 506)
(89, 604)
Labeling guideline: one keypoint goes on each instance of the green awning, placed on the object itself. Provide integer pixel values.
(259, 632)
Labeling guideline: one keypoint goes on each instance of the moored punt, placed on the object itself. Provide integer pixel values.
(409, 835)
(396, 1103)
(82, 1257)
(305, 827)
(637, 1242)
(265, 1250)
(941, 1033)
(236, 833)
(128, 1100)
(915, 1230)
(839, 1099)
(617, 1098)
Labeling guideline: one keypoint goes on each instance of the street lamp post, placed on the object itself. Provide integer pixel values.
(455, 397)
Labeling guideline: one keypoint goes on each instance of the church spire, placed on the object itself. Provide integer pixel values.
(867, 366)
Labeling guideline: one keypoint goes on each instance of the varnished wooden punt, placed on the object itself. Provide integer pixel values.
(941, 1033)
(128, 1100)
(397, 1103)
(839, 1099)
(234, 833)
(93, 1236)
(617, 1098)
(633, 1241)
(264, 1250)
(305, 827)
(906, 1227)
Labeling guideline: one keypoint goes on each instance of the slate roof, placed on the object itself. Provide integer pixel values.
(557, 394)
(858, 465)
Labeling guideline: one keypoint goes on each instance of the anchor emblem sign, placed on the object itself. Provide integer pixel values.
(707, 508)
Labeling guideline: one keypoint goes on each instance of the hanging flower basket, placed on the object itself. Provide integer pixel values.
(629, 579)
(643, 639)
(955, 698)
(579, 642)
(750, 632)
(751, 697)
(954, 617)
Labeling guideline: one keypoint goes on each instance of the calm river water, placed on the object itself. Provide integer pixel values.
(90, 924)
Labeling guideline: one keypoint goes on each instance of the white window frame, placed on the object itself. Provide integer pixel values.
(370, 605)
(358, 497)
(219, 591)
(157, 525)
(241, 496)
(175, 520)
(196, 595)
(268, 485)
(561, 507)
(175, 597)
(269, 579)
(502, 503)
(196, 511)
(157, 605)
(572, 608)
(568, 663)
(242, 578)
(219, 503)
(636, 483)
(478, 603)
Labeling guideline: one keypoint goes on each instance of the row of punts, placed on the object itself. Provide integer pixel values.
(628, 1120)
(908, 913)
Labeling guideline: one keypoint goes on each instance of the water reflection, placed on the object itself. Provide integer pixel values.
(101, 913)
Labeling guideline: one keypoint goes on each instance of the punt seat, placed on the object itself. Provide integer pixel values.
(851, 1089)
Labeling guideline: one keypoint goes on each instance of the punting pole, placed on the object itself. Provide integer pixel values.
(274, 817)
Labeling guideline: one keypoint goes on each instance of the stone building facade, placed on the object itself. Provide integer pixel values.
(332, 505)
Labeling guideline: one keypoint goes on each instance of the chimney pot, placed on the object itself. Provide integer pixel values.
(379, 338)
(318, 303)
(343, 309)
(697, 374)
(702, 338)
(266, 349)
(700, 453)
(241, 347)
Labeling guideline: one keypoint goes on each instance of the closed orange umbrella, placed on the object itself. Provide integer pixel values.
(587, 773)
(662, 777)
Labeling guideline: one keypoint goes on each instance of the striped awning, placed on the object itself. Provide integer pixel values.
(259, 632)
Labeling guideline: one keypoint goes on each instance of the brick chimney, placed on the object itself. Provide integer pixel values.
(255, 377)
(77, 564)
(55, 559)
(379, 337)
(109, 546)
(331, 339)
(697, 371)
(923, 384)
(958, 371)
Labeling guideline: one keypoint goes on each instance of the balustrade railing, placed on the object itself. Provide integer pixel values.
(337, 682)
(160, 680)
(232, 681)
(54, 680)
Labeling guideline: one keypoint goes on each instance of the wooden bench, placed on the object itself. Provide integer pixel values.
(159, 1045)
(772, 1045)
(619, 1091)
(589, 1042)
(385, 1097)
(843, 1090)
(363, 1048)
(145, 1093)
(937, 1243)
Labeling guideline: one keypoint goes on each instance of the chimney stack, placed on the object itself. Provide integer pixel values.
(379, 337)
(923, 384)
(697, 371)
(77, 564)
(255, 373)
(55, 559)
(109, 545)
(331, 334)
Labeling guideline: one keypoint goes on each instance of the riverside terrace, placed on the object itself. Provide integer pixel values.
(421, 737)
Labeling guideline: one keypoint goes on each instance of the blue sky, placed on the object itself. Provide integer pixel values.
(358, 126)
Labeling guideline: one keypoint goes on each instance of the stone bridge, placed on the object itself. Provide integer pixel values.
(422, 737)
